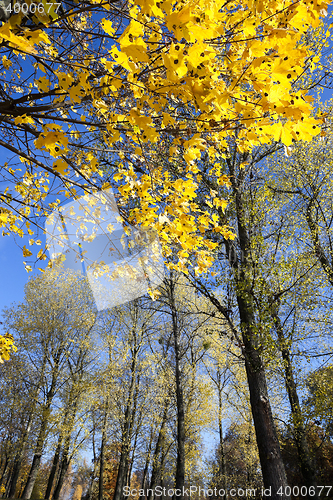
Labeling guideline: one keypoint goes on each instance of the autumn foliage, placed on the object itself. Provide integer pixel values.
(166, 104)
(6, 346)
(140, 80)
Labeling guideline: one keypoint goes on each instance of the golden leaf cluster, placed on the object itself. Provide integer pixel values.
(178, 80)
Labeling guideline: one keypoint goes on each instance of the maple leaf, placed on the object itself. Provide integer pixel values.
(26, 252)
(6, 345)
(60, 166)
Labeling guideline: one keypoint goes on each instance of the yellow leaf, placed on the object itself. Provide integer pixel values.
(220, 203)
(60, 166)
(107, 27)
(24, 119)
(26, 252)
(41, 255)
(3, 219)
(6, 62)
(286, 136)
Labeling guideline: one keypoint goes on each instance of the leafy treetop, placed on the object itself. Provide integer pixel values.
(172, 78)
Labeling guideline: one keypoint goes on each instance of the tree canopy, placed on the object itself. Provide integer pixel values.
(177, 79)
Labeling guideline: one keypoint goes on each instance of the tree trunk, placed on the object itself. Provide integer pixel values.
(272, 466)
(101, 470)
(54, 468)
(222, 463)
(304, 460)
(273, 472)
(324, 260)
(4, 473)
(126, 433)
(34, 470)
(62, 473)
(42, 432)
(156, 465)
(68, 424)
(122, 471)
(131, 460)
(18, 460)
(128, 463)
(145, 471)
(92, 479)
(101, 459)
(180, 467)
(5, 468)
(65, 460)
(24, 438)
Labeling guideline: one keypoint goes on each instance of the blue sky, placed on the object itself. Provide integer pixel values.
(13, 274)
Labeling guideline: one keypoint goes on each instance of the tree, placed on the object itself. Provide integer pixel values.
(305, 187)
(255, 268)
(242, 461)
(186, 319)
(170, 286)
(242, 271)
(148, 85)
(19, 395)
(73, 397)
(183, 77)
(16, 407)
(300, 182)
(283, 280)
(299, 432)
(321, 449)
(125, 383)
(222, 362)
(56, 316)
(319, 401)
